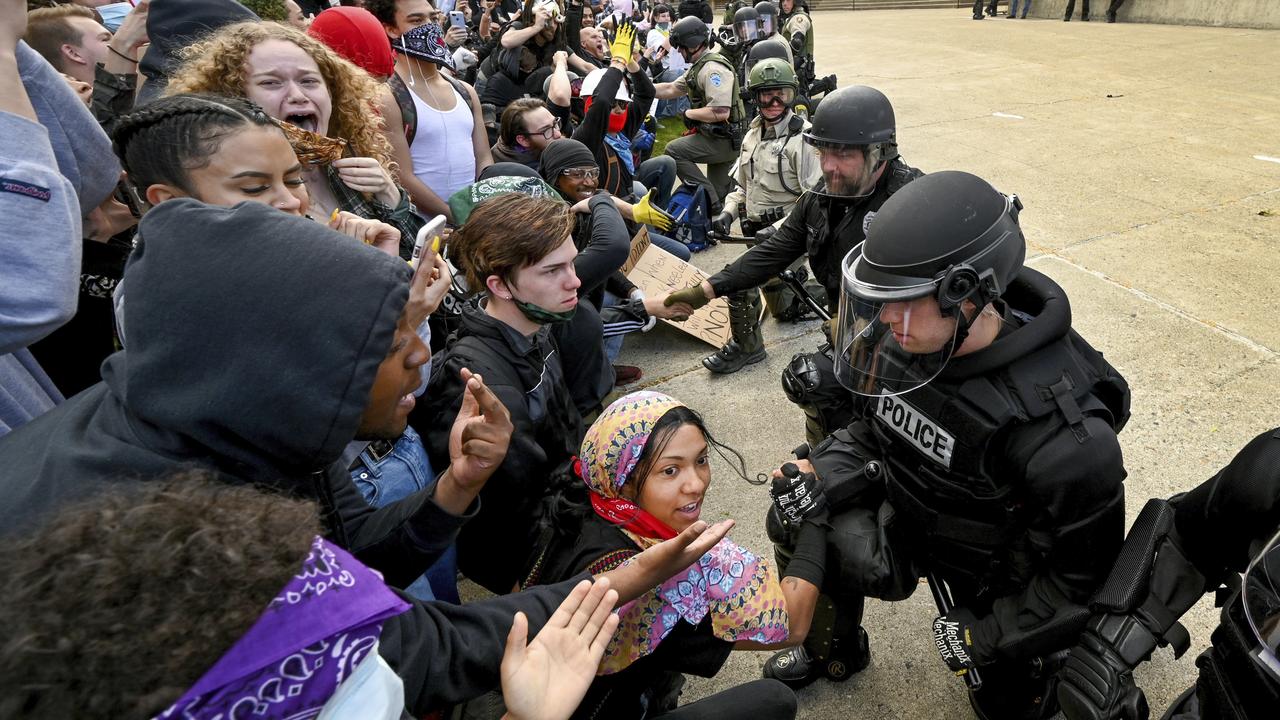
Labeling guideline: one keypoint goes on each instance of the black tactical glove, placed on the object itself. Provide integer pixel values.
(797, 42)
(722, 223)
(953, 636)
(688, 121)
(798, 496)
(764, 233)
(1097, 684)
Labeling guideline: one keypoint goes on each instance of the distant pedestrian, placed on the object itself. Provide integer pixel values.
(1026, 5)
(991, 8)
(1084, 10)
(1111, 11)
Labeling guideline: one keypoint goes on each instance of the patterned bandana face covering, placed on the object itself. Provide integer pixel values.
(731, 584)
(426, 42)
(312, 637)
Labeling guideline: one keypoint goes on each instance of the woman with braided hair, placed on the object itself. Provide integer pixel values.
(328, 105)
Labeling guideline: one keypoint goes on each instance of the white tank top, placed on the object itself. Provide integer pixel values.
(444, 158)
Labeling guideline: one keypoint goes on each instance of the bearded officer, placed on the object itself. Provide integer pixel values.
(717, 115)
(772, 170)
(854, 133)
(984, 454)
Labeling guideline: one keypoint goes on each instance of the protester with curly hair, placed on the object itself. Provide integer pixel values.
(299, 80)
(111, 614)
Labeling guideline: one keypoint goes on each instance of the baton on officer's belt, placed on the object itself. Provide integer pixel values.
(732, 239)
(797, 287)
(942, 598)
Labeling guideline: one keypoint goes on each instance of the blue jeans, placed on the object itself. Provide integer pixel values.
(398, 474)
(1013, 7)
(659, 175)
(671, 108)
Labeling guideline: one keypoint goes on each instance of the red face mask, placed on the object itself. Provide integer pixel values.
(617, 121)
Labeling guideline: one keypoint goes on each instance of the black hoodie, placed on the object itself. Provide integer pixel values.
(254, 339)
(172, 25)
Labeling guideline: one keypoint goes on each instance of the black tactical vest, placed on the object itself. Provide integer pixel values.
(954, 472)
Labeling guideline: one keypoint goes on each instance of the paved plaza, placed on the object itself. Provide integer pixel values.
(1148, 158)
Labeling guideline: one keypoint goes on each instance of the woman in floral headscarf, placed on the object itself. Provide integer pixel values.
(645, 471)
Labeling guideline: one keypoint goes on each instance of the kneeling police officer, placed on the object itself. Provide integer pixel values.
(855, 135)
(983, 455)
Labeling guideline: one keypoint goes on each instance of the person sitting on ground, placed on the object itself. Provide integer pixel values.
(267, 385)
(595, 48)
(613, 116)
(524, 46)
(78, 46)
(152, 553)
(526, 128)
(517, 252)
(643, 476)
(449, 146)
(330, 103)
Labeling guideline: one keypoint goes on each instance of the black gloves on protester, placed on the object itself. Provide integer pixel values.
(953, 636)
(722, 223)
(798, 496)
(1097, 684)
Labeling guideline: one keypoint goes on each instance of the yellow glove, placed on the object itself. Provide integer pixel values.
(645, 213)
(692, 296)
(622, 41)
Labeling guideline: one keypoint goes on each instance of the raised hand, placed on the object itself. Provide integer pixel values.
(547, 678)
(480, 436)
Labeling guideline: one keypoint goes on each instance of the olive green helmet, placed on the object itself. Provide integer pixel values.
(772, 73)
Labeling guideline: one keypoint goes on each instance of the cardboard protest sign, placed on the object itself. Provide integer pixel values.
(657, 271)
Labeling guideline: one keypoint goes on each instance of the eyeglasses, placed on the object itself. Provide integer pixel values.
(621, 105)
(548, 133)
(582, 173)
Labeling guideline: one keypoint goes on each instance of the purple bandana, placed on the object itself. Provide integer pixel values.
(310, 638)
(425, 42)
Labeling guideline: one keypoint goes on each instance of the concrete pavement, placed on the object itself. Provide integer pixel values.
(1148, 157)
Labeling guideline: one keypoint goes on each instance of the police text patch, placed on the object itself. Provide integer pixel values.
(20, 187)
(918, 429)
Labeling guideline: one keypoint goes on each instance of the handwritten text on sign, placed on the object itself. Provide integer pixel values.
(657, 271)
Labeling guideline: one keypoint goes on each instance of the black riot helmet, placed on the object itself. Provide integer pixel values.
(941, 248)
(765, 49)
(860, 119)
(768, 13)
(689, 33)
(746, 25)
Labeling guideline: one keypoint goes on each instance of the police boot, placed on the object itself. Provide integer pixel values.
(747, 344)
(836, 656)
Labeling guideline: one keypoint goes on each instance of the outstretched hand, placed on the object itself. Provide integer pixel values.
(655, 565)
(547, 678)
(480, 436)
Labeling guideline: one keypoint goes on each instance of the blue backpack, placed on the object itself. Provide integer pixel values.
(692, 211)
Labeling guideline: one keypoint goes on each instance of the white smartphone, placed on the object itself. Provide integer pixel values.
(429, 236)
(457, 19)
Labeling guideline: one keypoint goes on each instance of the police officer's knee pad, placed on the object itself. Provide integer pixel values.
(773, 527)
(801, 379)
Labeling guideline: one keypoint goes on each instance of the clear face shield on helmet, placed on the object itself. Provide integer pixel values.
(889, 340)
(1260, 595)
(768, 26)
(747, 31)
(848, 171)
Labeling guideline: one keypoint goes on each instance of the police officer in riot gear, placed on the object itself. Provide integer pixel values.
(768, 23)
(746, 26)
(854, 135)
(717, 111)
(1178, 550)
(983, 455)
(773, 168)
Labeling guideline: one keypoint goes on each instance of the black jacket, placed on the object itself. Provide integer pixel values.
(173, 25)
(614, 176)
(254, 339)
(526, 374)
(1049, 482)
(825, 228)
